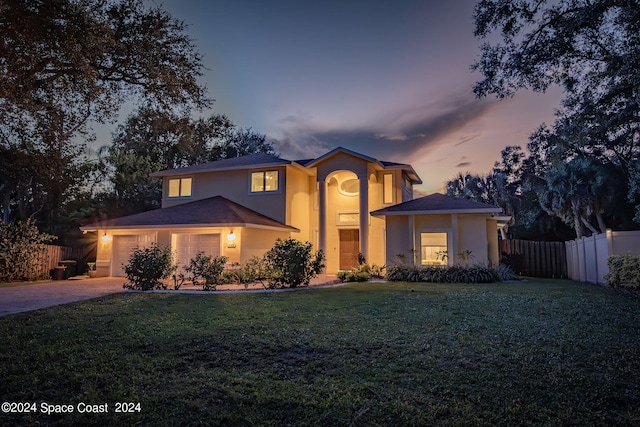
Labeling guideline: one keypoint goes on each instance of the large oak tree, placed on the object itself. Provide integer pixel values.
(151, 140)
(591, 49)
(65, 63)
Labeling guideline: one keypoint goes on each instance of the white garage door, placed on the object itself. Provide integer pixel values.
(123, 245)
(187, 247)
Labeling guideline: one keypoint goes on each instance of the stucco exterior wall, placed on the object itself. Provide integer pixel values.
(474, 232)
(235, 186)
(433, 221)
(492, 242)
(299, 193)
(257, 241)
(398, 239)
(342, 161)
(472, 236)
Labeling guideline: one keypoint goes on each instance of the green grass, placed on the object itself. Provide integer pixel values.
(536, 353)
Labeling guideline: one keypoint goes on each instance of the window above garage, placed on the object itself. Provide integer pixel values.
(180, 187)
(265, 182)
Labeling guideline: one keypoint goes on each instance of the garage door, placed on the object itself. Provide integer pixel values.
(123, 245)
(187, 246)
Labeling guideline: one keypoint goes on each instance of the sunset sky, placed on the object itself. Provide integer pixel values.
(390, 79)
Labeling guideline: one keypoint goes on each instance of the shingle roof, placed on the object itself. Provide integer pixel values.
(250, 160)
(216, 211)
(266, 160)
(437, 204)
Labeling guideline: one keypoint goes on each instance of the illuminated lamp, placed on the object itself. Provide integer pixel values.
(105, 238)
(231, 239)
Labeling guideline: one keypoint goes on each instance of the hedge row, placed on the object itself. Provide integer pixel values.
(450, 274)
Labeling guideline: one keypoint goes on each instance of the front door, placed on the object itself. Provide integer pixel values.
(349, 248)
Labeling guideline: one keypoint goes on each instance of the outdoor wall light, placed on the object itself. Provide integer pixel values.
(105, 238)
(231, 240)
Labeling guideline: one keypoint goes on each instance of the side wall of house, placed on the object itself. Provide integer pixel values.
(299, 193)
(472, 236)
(398, 239)
(476, 233)
(235, 186)
(257, 241)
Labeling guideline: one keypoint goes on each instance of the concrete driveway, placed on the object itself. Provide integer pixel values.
(32, 297)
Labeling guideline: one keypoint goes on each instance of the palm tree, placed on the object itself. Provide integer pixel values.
(578, 191)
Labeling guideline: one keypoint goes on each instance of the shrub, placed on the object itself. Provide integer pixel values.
(362, 272)
(206, 269)
(354, 275)
(20, 250)
(148, 267)
(290, 263)
(624, 271)
(506, 273)
(377, 271)
(252, 271)
(449, 274)
(178, 281)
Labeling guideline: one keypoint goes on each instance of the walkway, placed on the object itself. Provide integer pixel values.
(18, 299)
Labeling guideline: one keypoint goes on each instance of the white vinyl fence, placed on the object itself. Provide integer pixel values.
(587, 257)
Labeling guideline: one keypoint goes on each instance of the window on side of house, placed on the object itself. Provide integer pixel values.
(180, 187)
(433, 248)
(264, 181)
(387, 184)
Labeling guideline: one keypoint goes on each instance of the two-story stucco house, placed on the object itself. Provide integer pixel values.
(343, 202)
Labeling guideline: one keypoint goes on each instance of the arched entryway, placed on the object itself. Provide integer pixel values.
(343, 218)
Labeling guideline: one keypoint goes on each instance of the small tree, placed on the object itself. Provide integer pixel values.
(147, 268)
(20, 250)
(207, 268)
(290, 263)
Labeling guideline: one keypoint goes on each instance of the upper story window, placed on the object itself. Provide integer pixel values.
(407, 183)
(180, 187)
(264, 181)
(387, 183)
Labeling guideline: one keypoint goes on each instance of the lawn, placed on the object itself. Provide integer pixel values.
(534, 353)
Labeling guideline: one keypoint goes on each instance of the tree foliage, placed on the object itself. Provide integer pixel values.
(591, 49)
(65, 63)
(21, 247)
(514, 184)
(84, 58)
(151, 140)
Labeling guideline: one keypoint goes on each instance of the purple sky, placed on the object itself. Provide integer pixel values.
(390, 79)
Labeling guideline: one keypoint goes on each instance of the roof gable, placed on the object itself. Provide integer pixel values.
(437, 204)
(341, 150)
(215, 211)
(381, 164)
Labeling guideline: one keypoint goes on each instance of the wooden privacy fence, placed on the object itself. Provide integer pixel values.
(52, 254)
(535, 259)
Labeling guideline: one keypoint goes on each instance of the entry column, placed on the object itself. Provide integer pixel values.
(322, 215)
(364, 216)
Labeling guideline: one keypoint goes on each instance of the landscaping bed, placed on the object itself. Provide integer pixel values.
(524, 353)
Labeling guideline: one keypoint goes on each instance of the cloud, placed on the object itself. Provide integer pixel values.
(466, 138)
(463, 164)
(397, 135)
